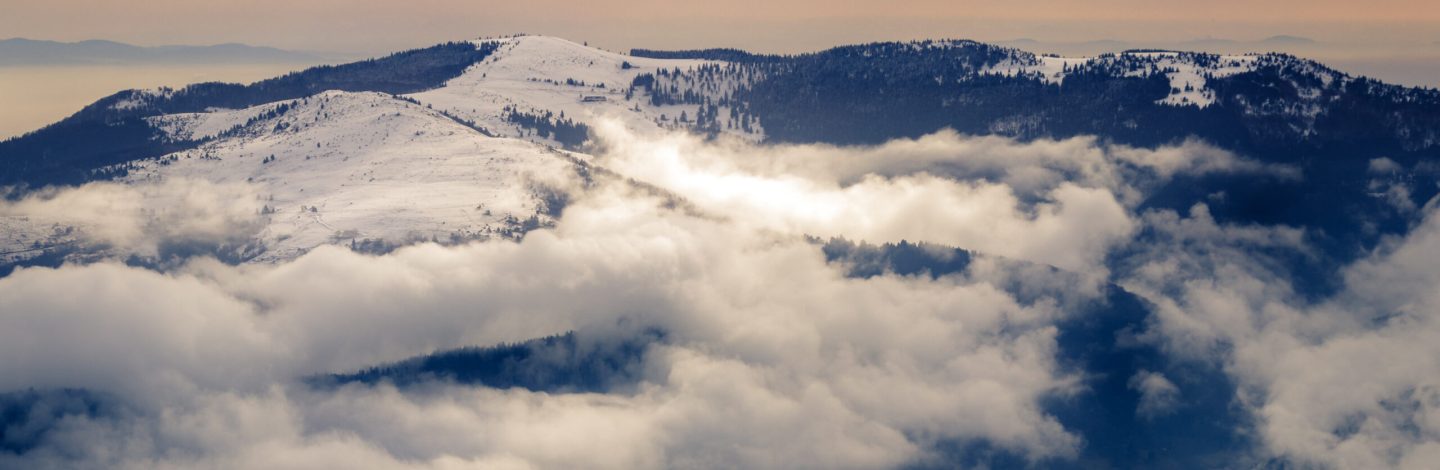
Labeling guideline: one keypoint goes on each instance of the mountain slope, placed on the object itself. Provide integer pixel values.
(875, 92)
(114, 129)
(536, 74)
(366, 167)
(1274, 108)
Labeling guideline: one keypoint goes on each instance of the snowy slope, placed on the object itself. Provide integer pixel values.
(1185, 71)
(544, 74)
(1049, 69)
(1187, 76)
(376, 170)
(346, 167)
(199, 126)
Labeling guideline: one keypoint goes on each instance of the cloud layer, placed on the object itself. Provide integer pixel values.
(151, 220)
(771, 356)
(1064, 203)
(766, 369)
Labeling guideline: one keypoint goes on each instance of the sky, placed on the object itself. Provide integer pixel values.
(373, 26)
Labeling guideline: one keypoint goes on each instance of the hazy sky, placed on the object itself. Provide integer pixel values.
(769, 25)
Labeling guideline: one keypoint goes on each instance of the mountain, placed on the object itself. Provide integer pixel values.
(1244, 101)
(118, 132)
(30, 52)
(1275, 108)
(375, 154)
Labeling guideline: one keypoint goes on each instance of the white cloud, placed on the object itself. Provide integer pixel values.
(1348, 381)
(1382, 166)
(772, 356)
(1158, 395)
(791, 189)
(1207, 281)
(146, 219)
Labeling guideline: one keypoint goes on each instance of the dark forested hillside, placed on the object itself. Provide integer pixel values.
(870, 93)
(561, 363)
(726, 55)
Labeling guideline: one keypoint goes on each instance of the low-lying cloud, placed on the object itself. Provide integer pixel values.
(1348, 380)
(1064, 203)
(150, 219)
(772, 357)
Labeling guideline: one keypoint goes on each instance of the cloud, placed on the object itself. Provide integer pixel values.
(147, 219)
(141, 333)
(1391, 181)
(1158, 395)
(1196, 158)
(1065, 203)
(1030, 168)
(788, 189)
(1345, 380)
(771, 357)
(1355, 381)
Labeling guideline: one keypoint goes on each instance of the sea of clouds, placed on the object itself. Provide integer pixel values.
(772, 357)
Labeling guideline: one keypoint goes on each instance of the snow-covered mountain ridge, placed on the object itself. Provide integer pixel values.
(375, 170)
(458, 141)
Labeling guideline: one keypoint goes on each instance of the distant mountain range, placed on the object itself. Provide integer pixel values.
(24, 52)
